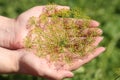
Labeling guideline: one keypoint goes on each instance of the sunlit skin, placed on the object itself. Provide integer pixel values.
(19, 60)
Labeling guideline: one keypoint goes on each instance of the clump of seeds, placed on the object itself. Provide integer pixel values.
(61, 35)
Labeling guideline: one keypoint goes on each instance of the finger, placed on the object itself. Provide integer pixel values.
(91, 32)
(90, 45)
(54, 9)
(76, 64)
(59, 75)
(88, 32)
(91, 23)
(97, 41)
(80, 22)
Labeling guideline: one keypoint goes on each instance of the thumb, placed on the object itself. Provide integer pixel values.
(59, 75)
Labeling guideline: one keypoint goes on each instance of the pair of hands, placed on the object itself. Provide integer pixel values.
(25, 62)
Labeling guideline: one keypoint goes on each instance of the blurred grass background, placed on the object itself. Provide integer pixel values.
(107, 12)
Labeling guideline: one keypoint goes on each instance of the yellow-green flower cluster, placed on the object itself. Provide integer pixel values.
(60, 35)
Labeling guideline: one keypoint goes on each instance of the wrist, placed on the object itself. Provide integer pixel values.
(7, 31)
(9, 61)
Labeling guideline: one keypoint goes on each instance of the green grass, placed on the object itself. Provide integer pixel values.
(105, 11)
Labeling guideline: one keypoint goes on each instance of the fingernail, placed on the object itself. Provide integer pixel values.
(103, 49)
(70, 74)
(95, 23)
(99, 31)
(101, 38)
(66, 7)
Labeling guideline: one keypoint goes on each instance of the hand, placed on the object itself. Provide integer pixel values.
(24, 62)
(12, 37)
(29, 63)
(33, 65)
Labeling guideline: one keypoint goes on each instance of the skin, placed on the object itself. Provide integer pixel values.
(14, 58)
